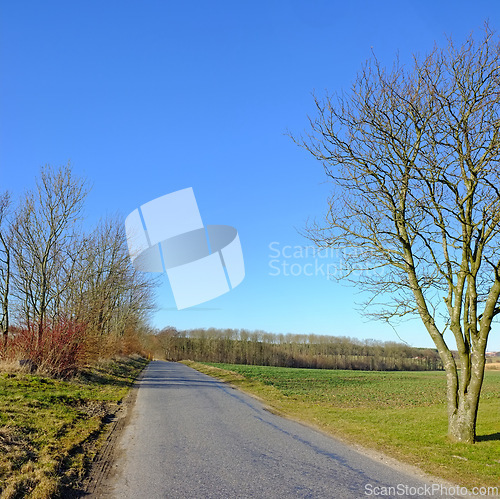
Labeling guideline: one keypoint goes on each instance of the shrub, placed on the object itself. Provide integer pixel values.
(58, 351)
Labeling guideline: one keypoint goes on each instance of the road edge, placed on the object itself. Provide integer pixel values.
(101, 469)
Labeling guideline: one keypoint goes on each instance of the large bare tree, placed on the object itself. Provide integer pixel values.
(413, 154)
(43, 234)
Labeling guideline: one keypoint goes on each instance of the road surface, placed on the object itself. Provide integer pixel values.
(192, 436)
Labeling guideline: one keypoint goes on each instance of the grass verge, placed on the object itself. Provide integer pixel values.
(401, 414)
(50, 429)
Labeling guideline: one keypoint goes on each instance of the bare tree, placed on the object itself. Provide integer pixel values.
(68, 289)
(413, 154)
(5, 267)
(44, 231)
(108, 294)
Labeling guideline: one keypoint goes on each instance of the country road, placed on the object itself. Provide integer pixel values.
(191, 436)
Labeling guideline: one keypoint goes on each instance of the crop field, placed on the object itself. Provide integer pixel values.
(402, 414)
(350, 389)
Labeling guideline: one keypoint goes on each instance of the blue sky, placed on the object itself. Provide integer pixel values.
(146, 98)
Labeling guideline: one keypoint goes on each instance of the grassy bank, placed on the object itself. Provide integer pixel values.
(399, 413)
(50, 429)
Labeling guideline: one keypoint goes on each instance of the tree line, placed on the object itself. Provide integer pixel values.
(240, 346)
(67, 295)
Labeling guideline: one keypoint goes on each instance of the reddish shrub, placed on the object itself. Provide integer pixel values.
(60, 350)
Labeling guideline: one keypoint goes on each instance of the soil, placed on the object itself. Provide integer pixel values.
(96, 485)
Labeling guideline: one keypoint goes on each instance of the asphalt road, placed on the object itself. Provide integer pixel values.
(192, 436)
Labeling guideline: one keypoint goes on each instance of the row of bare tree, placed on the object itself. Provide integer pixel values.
(239, 346)
(53, 272)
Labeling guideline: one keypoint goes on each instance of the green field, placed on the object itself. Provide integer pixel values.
(399, 413)
(50, 429)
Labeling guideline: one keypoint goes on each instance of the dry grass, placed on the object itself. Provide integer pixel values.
(49, 427)
(11, 366)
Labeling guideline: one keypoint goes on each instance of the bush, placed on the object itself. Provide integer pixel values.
(59, 351)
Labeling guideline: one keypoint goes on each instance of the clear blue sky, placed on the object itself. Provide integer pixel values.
(146, 98)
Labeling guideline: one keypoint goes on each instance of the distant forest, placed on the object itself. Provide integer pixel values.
(240, 346)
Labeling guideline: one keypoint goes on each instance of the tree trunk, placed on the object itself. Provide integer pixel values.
(5, 297)
(5, 325)
(462, 420)
(463, 403)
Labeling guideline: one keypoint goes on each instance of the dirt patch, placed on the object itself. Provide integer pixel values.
(94, 486)
(493, 366)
